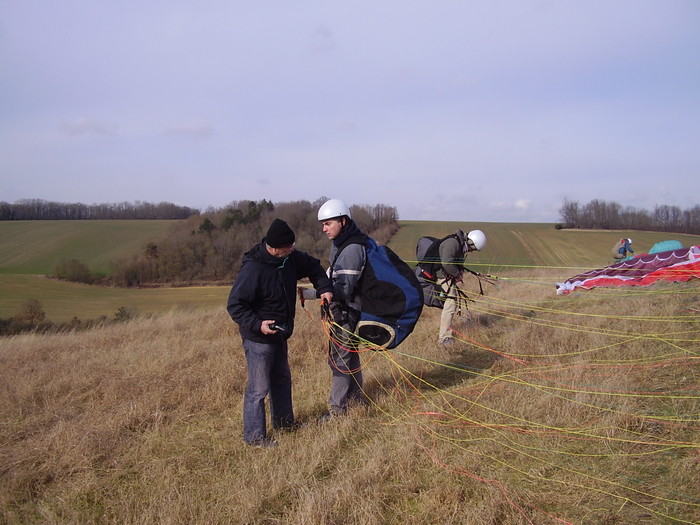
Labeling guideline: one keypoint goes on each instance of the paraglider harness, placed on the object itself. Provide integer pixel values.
(391, 298)
(428, 256)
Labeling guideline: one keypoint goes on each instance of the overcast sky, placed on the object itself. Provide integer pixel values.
(445, 109)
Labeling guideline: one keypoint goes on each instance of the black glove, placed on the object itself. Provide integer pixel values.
(325, 311)
(339, 313)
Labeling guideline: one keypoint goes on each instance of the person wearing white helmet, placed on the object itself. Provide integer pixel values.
(348, 256)
(452, 251)
(621, 248)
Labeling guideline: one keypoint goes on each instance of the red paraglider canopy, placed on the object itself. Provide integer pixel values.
(674, 265)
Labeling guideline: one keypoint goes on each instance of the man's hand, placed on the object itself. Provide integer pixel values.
(325, 310)
(265, 327)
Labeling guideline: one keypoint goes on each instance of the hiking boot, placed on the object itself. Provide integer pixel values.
(326, 417)
(330, 415)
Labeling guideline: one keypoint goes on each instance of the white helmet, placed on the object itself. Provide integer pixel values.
(333, 209)
(477, 239)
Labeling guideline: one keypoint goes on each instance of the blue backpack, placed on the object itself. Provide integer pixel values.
(392, 298)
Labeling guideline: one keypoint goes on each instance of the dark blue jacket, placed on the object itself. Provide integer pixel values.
(625, 248)
(266, 288)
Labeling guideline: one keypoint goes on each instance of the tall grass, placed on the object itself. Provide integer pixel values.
(577, 409)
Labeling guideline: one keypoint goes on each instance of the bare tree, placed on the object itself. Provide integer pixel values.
(32, 312)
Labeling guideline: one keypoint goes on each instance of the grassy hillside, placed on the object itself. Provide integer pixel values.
(526, 245)
(579, 409)
(551, 410)
(31, 248)
(35, 247)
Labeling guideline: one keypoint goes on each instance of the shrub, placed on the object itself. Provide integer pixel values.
(73, 270)
(31, 312)
(124, 314)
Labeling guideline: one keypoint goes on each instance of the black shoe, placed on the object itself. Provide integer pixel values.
(330, 415)
(288, 427)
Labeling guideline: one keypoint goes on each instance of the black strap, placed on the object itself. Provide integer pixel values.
(432, 263)
(480, 276)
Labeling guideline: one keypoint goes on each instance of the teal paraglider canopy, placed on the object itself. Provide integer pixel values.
(666, 246)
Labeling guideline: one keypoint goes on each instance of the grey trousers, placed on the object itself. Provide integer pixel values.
(346, 373)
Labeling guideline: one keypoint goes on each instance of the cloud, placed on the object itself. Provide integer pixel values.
(522, 204)
(193, 128)
(89, 126)
(322, 39)
(452, 110)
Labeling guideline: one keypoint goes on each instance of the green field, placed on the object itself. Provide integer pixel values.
(31, 249)
(36, 247)
(525, 245)
(63, 300)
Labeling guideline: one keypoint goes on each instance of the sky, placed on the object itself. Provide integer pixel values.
(448, 110)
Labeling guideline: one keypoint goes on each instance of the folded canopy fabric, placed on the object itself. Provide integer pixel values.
(673, 265)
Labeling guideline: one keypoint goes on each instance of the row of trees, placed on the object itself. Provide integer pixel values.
(210, 247)
(38, 209)
(603, 215)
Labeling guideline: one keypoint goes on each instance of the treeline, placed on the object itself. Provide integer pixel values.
(41, 210)
(603, 215)
(208, 248)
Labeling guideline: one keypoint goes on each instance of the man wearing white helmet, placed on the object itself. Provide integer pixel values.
(348, 256)
(621, 248)
(452, 251)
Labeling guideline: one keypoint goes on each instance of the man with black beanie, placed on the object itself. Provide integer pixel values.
(262, 301)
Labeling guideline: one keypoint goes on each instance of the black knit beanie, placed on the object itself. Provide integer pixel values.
(279, 234)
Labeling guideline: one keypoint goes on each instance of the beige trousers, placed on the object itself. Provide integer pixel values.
(448, 310)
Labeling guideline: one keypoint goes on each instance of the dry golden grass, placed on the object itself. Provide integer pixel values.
(578, 409)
